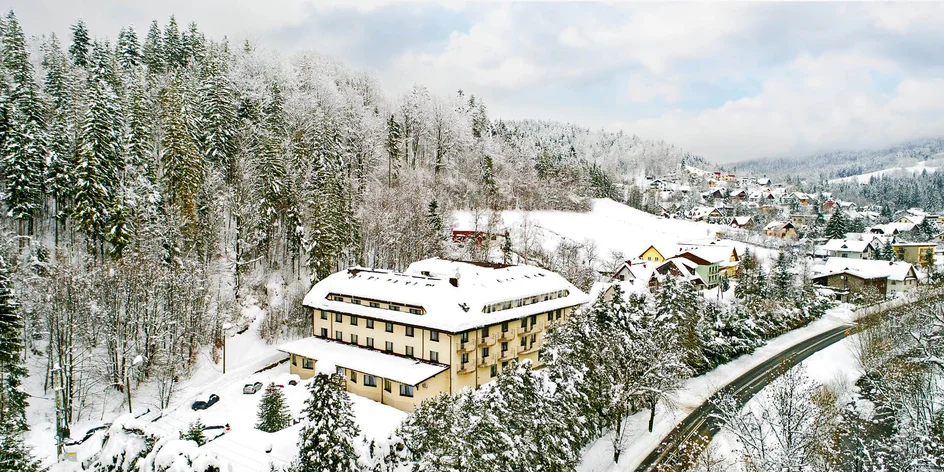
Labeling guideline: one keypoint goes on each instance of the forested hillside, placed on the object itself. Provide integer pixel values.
(154, 182)
(821, 167)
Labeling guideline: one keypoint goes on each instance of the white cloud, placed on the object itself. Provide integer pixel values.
(813, 104)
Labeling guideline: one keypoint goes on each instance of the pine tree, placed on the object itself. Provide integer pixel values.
(326, 441)
(677, 305)
(128, 50)
(173, 50)
(12, 401)
(273, 411)
(182, 164)
(219, 122)
(193, 44)
(837, 227)
(152, 53)
(60, 88)
(24, 143)
(14, 454)
(80, 50)
(195, 433)
(782, 278)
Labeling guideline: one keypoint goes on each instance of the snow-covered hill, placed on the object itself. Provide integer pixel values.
(891, 172)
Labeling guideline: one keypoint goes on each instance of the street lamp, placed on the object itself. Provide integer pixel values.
(134, 363)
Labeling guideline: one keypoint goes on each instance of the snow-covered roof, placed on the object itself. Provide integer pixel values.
(454, 295)
(713, 254)
(773, 225)
(389, 366)
(863, 268)
(741, 220)
(892, 228)
(847, 245)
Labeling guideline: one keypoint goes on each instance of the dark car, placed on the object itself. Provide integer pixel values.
(203, 405)
(251, 388)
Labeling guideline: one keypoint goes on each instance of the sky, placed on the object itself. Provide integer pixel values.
(728, 81)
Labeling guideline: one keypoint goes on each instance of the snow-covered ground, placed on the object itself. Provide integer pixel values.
(892, 172)
(243, 447)
(599, 456)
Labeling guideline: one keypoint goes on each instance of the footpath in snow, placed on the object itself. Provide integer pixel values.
(599, 456)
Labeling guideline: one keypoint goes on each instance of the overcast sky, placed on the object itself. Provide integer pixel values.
(729, 81)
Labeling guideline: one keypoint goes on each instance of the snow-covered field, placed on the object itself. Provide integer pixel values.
(599, 456)
(892, 172)
(610, 225)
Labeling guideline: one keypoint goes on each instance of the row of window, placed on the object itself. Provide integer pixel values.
(389, 306)
(388, 326)
(509, 304)
(371, 381)
(388, 345)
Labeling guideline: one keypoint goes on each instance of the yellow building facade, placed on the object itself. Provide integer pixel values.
(921, 254)
(400, 338)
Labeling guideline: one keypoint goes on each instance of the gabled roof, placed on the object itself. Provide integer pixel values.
(778, 225)
(741, 220)
(848, 245)
(865, 269)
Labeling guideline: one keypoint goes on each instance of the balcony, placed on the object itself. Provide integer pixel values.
(487, 341)
(508, 355)
(467, 346)
(487, 361)
(467, 368)
(534, 347)
(509, 335)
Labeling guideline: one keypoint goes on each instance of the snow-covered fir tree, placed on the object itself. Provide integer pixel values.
(274, 414)
(326, 441)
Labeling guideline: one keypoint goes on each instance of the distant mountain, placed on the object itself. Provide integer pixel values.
(839, 164)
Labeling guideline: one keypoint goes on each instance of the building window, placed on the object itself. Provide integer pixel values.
(464, 337)
(409, 351)
(370, 342)
(374, 305)
(294, 360)
(388, 327)
(434, 356)
(550, 317)
(324, 332)
(504, 346)
(524, 323)
(370, 324)
(406, 390)
(504, 365)
(415, 311)
(308, 363)
(324, 315)
(340, 371)
(338, 335)
(387, 385)
(370, 381)
(389, 346)
(434, 335)
(353, 321)
(494, 370)
(557, 313)
(485, 332)
(484, 352)
(534, 320)
(465, 357)
(353, 377)
(505, 327)
(533, 337)
(524, 341)
(394, 308)
(409, 331)
(355, 301)
(338, 317)
(353, 339)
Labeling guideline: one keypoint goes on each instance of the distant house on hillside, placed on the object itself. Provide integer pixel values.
(681, 268)
(469, 236)
(891, 229)
(782, 230)
(742, 222)
(921, 254)
(652, 254)
(851, 249)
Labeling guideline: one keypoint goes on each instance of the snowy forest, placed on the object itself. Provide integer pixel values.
(154, 182)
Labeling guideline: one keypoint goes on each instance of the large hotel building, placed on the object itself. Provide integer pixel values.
(440, 326)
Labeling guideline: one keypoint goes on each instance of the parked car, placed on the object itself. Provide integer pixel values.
(287, 379)
(252, 388)
(203, 405)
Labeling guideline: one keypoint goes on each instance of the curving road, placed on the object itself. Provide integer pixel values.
(701, 424)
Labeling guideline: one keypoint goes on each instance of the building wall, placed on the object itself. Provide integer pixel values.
(522, 339)
(709, 273)
(856, 284)
(919, 255)
(652, 255)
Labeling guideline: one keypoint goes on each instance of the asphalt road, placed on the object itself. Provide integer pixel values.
(701, 424)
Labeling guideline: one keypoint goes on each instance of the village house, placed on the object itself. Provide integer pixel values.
(653, 254)
(851, 276)
(852, 249)
(921, 254)
(682, 269)
(742, 222)
(782, 230)
(440, 326)
(803, 220)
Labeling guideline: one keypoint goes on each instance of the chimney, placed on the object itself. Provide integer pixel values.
(454, 281)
